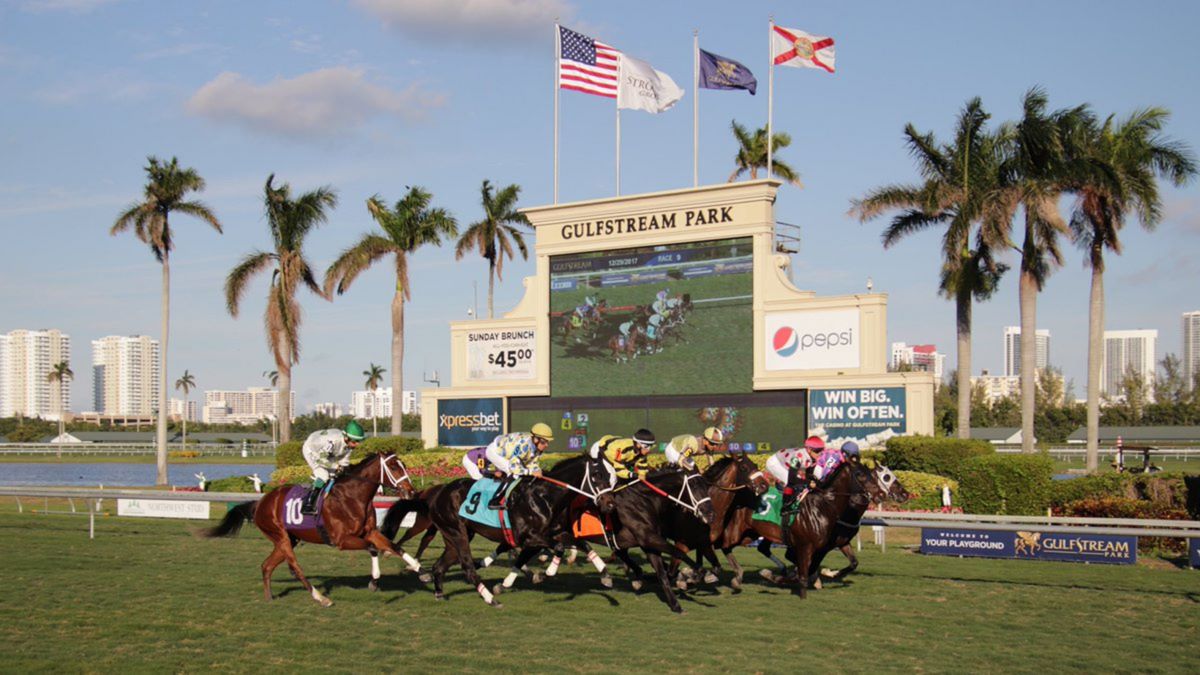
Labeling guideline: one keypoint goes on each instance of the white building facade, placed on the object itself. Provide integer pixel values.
(1191, 347)
(125, 375)
(242, 407)
(329, 409)
(996, 387)
(367, 403)
(1012, 350)
(1128, 351)
(920, 357)
(26, 359)
(185, 410)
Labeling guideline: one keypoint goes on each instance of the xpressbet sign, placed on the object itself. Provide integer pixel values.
(813, 340)
(469, 421)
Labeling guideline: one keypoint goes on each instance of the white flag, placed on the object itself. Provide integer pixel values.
(644, 88)
(791, 47)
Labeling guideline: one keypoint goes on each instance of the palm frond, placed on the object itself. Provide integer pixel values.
(239, 277)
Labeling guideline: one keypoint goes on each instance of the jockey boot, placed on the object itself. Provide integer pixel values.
(309, 506)
(497, 500)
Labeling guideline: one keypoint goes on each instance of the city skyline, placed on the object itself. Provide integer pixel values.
(388, 106)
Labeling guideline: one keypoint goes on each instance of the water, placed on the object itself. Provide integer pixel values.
(120, 475)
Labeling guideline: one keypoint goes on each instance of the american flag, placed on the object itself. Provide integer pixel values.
(586, 65)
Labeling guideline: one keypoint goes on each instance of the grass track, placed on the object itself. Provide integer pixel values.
(145, 596)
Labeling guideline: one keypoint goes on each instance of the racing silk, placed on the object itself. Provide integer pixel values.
(625, 328)
(659, 307)
(475, 462)
(514, 454)
(652, 326)
(826, 462)
(326, 451)
(625, 459)
(788, 458)
(679, 451)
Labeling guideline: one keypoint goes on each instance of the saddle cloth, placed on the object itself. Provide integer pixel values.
(770, 507)
(293, 519)
(474, 507)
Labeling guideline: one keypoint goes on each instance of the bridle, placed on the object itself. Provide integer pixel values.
(385, 472)
(685, 488)
(749, 484)
(588, 482)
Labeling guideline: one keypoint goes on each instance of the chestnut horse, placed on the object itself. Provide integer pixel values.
(348, 519)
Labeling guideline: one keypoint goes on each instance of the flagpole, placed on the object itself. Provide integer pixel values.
(618, 151)
(696, 108)
(770, 91)
(557, 79)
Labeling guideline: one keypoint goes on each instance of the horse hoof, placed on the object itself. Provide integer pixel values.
(681, 584)
(606, 582)
(766, 574)
(817, 584)
(538, 577)
(425, 578)
(637, 585)
(710, 578)
(373, 586)
(439, 596)
(326, 602)
(828, 573)
(678, 610)
(736, 584)
(497, 589)
(496, 604)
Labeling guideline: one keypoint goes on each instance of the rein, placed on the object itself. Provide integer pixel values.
(587, 478)
(694, 507)
(385, 471)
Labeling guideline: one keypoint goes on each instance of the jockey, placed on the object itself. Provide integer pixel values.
(516, 455)
(623, 331)
(826, 462)
(476, 463)
(652, 329)
(681, 449)
(659, 306)
(327, 453)
(600, 446)
(851, 451)
(628, 456)
(790, 467)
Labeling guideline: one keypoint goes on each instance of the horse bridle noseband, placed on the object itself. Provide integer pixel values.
(384, 471)
(748, 486)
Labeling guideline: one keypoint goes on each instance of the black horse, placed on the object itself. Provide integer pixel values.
(537, 509)
(643, 512)
(881, 485)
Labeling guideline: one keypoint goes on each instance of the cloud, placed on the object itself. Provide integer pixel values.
(182, 49)
(75, 6)
(325, 102)
(469, 20)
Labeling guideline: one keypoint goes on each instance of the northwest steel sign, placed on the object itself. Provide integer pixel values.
(1109, 549)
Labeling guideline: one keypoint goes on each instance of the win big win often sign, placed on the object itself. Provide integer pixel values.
(857, 413)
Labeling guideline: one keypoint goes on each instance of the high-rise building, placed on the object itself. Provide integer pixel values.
(996, 387)
(1127, 351)
(1012, 350)
(242, 407)
(366, 403)
(919, 357)
(125, 375)
(329, 409)
(1191, 347)
(181, 409)
(26, 359)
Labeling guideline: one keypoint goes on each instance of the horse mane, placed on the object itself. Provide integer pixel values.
(714, 470)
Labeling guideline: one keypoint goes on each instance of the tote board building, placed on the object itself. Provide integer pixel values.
(672, 311)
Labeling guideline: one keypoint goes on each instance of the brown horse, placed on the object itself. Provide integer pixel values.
(624, 352)
(347, 514)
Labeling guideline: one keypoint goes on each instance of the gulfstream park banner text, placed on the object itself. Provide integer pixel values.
(1090, 548)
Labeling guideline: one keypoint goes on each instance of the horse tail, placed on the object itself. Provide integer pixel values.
(397, 512)
(232, 523)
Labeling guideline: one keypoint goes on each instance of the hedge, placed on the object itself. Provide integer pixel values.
(230, 484)
(290, 453)
(1006, 484)
(926, 490)
(938, 456)
(1168, 490)
(1124, 507)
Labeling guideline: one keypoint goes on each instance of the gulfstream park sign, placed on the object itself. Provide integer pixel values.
(671, 220)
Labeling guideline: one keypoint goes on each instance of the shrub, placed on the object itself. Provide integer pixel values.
(290, 475)
(1006, 484)
(399, 445)
(938, 456)
(288, 454)
(1124, 507)
(1164, 489)
(926, 490)
(231, 484)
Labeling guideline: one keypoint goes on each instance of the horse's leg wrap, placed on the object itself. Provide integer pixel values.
(485, 593)
(552, 568)
(596, 561)
(511, 578)
(375, 574)
(413, 563)
(487, 561)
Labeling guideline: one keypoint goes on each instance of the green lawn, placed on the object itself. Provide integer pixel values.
(145, 596)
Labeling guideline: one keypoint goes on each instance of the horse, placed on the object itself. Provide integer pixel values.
(537, 508)
(349, 520)
(629, 350)
(734, 481)
(643, 508)
(881, 485)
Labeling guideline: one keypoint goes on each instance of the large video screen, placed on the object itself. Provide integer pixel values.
(665, 320)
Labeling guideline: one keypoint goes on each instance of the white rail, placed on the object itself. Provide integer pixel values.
(1121, 526)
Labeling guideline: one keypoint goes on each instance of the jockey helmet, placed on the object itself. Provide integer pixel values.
(542, 430)
(644, 437)
(354, 431)
(686, 444)
(814, 444)
(714, 435)
(850, 449)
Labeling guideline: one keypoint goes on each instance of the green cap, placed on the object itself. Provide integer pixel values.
(354, 431)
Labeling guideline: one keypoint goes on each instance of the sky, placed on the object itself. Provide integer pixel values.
(372, 96)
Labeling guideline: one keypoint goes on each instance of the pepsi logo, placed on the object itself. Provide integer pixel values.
(785, 341)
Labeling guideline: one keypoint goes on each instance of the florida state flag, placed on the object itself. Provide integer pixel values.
(791, 47)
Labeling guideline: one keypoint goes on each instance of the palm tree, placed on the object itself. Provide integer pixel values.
(957, 179)
(374, 377)
(290, 221)
(166, 192)
(491, 235)
(1125, 160)
(411, 224)
(273, 377)
(1033, 176)
(185, 384)
(752, 154)
(59, 373)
